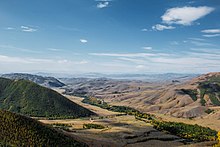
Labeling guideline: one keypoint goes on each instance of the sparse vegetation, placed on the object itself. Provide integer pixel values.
(62, 126)
(211, 87)
(214, 99)
(104, 105)
(192, 93)
(208, 111)
(93, 126)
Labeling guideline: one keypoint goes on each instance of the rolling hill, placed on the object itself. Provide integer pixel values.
(43, 81)
(18, 130)
(188, 99)
(28, 98)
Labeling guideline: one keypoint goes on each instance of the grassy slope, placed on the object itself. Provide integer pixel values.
(17, 130)
(30, 99)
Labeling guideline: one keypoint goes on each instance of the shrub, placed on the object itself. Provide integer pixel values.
(93, 126)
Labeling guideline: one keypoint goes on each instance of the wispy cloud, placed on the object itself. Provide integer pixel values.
(199, 43)
(83, 40)
(211, 31)
(144, 30)
(10, 28)
(211, 35)
(186, 61)
(54, 49)
(65, 61)
(140, 67)
(7, 59)
(28, 29)
(123, 55)
(134, 60)
(197, 39)
(147, 48)
(102, 4)
(174, 43)
(11, 47)
(159, 27)
(37, 64)
(185, 15)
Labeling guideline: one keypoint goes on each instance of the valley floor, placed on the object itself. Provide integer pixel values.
(120, 129)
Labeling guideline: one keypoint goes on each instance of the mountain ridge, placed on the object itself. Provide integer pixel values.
(41, 80)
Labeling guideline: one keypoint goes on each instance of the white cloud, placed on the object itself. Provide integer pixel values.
(144, 30)
(185, 15)
(159, 27)
(147, 48)
(140, 66)
(54, 49)
(103, 4)
(211, 31)
(10, 28)
(211, 35)
(28, 29)
(83, 40)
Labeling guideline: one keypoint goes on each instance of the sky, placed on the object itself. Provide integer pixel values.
(110, 36)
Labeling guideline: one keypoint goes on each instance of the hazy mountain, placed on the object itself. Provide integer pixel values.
(143, 77)
(43, 81)
(26, 97)
(18, 130)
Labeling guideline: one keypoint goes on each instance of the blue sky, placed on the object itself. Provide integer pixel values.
(110, 36)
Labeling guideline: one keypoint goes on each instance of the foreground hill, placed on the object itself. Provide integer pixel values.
(30, 99)
(43, 81)
(17, 130)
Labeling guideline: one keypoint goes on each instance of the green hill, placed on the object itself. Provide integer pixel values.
(28, 98)
(17, 130)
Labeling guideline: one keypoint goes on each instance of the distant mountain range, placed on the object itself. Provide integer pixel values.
(28, 98)
(142, 77)
(149, 77)
(41, 80)
(18, 130)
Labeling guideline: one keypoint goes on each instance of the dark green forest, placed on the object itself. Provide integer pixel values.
(28, 98)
